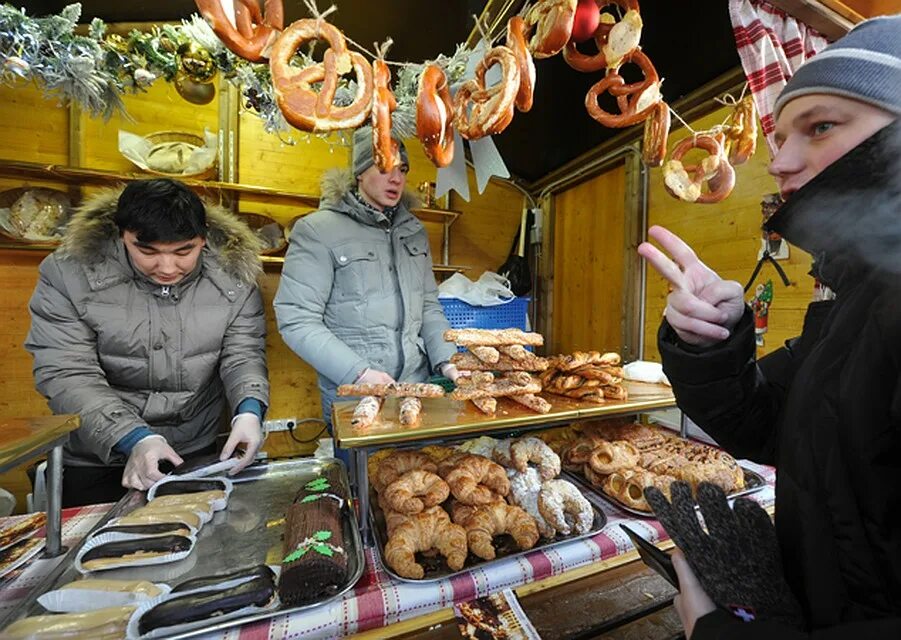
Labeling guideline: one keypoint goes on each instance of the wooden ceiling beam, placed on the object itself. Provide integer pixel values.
(830, 17)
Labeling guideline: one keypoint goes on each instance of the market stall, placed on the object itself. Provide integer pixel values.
(490, 501)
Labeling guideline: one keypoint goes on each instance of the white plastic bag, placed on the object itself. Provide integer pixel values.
(645, 371)
(489, 290)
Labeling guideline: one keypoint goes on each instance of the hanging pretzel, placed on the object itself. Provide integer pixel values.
(552, 22)
(685, 181)
(656, 132)
(253, 33)
(516, 41)
(635, 100)
(303, 106)
(481, 111)
(435, 116)
(614, 40)
(741, 132)
(384, 147)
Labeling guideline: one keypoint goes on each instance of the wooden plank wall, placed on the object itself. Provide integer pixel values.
(35, 129)
(727, 237)
(589, 241)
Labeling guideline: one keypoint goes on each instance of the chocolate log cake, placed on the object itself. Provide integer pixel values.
(314, 564)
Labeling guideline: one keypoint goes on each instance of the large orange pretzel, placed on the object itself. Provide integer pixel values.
(685, 181)
(516, 41)
(614, 40)
(656, 132)
(635, 100)
(741, 133)
(435, 116)
(481, 111)
(253, 33)
(552, 21)
(384, 147)
(303, 106)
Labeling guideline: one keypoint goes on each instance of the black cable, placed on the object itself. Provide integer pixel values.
(314, 438)
(767, 257)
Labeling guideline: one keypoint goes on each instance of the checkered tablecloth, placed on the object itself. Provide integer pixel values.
(379, 600)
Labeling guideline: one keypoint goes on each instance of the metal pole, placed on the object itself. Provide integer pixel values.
(360, 458)
(54, 503)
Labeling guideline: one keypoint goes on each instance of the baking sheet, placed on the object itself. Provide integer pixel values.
(435, 567)
(753, 482)
(248, 532)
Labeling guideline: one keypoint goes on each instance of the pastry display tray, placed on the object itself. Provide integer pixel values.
(435, 567)
(248, 532)
(753, 482)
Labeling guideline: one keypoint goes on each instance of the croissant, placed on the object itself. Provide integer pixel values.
(459, 511)
(437, 452)
(398, 463)
(414, 491)
(607, 457)
(422, 532)
(535, 450)
(565, 508)
(488, 521)
(474, 478)
(393, 519)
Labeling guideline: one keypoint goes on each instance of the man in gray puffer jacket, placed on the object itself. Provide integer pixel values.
(357, 299)
(147, 322)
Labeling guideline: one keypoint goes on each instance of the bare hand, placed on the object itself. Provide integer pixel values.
(374, 376)
(702, 308)
(143, 466)
(246, 430)
(692, 602)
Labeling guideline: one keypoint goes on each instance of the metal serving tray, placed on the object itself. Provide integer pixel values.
(249, 531)
(435, 567)
(753, 482)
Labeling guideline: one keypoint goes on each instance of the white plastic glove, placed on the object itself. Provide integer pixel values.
(143, 466)
(451, 372)
(373, 376)
(246, 430)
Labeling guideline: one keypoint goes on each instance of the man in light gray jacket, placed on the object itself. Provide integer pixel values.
(357, 298)
(147, 322)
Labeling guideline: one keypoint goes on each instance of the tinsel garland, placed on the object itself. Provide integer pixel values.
(95, 70)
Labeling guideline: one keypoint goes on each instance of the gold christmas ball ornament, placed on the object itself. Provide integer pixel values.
(117, 43)
(194, 92)
(196, 62)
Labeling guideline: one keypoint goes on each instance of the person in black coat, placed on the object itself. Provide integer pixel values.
(826, 408)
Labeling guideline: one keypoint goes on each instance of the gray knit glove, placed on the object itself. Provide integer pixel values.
(737, 560)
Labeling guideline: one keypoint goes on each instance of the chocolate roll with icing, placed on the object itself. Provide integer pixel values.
(134, 550)
(260, 571)
(189, 486)
(165, 528)
(205, 605)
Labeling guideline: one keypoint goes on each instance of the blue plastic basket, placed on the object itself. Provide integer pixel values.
(462, 315)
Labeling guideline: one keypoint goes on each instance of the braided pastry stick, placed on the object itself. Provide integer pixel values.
(435, 116)
(488, 521)
(473, 479)
(487, 406)
(492, 337)
(409, 411)
(428, 530)
(468, 362)
(533, 402)
(480, 110)
(604, 375)
(415, 491)
(488, 355)
(550, 23)
(393, 390)
(365, 412)
(515, 351)
(499, 389)
(565, 508)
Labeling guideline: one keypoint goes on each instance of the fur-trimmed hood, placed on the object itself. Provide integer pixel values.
(337, 183)
(230, 241)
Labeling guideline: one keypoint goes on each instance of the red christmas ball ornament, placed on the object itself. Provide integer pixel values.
(586, 21)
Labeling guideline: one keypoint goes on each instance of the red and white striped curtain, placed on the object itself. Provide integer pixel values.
(771, 45)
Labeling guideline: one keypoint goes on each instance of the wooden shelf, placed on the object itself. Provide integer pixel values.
(441, 216)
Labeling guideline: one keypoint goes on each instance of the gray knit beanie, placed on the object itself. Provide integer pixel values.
(864, 65)
(362, 157)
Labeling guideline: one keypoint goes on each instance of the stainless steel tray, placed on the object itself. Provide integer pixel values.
(753, 482)
(249, 531)
(435, 567)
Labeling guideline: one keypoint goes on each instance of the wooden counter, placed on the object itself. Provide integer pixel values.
(446, 418)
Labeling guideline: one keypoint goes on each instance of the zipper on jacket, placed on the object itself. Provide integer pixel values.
(164, 292)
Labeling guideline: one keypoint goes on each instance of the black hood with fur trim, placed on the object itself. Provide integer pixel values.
(230, 242)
